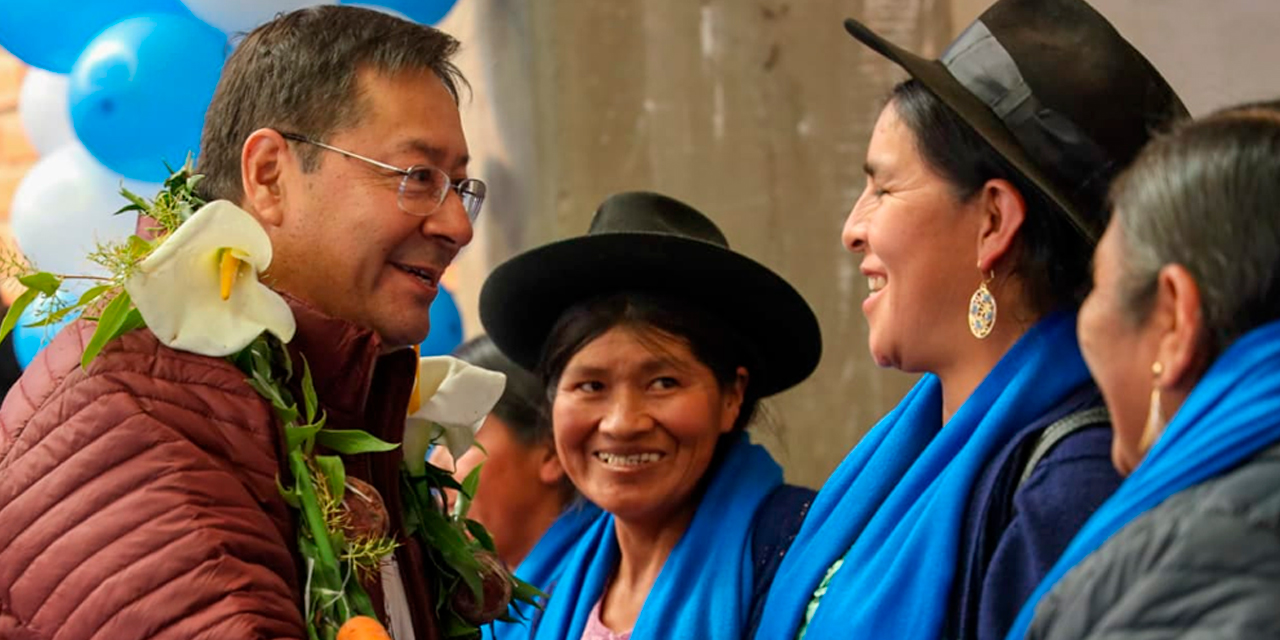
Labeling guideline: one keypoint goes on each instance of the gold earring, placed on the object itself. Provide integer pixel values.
(1155, 417)
(982, 309)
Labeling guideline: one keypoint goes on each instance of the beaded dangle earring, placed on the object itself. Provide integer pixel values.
(982, 309)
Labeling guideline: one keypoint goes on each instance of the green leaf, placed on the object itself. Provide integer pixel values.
(525, 592)
(92, 294)
(481, 535)
(350, 441)
(472, 481)
(15, 310)
(139, 247)
(268, 388)
(309, 392)
(290, 496)
(334, 473)
(294, 437)
(44, 282)
(132, 320)
(113, 317)
(468, 493)
(56, 316)
(454, 548)
(456, 627)
(137, 203)
(281, 356)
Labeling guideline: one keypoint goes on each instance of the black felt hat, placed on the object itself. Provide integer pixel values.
(649, 243)
(1054, 89)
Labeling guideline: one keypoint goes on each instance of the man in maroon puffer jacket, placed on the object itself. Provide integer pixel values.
(138, 496)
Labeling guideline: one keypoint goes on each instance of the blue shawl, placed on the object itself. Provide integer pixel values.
(704, 590)
(894, 507)
(1232, 414)
(545, 562)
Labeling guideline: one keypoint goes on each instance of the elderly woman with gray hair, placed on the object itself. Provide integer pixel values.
(1182, 332)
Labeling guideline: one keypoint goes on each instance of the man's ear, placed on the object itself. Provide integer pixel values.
(1003, 211)
(262, 162)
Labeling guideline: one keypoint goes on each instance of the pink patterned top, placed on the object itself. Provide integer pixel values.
(597, 631)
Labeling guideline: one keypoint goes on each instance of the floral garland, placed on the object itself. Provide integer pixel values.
(196, 286)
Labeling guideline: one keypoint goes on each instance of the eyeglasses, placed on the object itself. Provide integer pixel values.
(422, 188)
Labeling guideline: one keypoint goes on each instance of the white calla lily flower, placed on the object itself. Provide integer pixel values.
(199, 290)
(455, 397)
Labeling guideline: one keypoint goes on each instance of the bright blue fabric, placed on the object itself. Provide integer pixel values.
(1232, 414)
(893, 509)
(545, 562)
(703, 591)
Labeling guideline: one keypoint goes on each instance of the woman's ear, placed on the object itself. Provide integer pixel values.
(1182, 340)
(550, 471)
(262, 162)
(734, 395)
(1003, 210)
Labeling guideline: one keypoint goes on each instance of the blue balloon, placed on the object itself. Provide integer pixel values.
(51, 35)
(419, 11)
(139, 92)
(446, 326)
(28, 341)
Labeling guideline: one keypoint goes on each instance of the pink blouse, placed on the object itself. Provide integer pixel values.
(597, 631)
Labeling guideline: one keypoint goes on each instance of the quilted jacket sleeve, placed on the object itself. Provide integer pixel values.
(138, 500)
(1205, 565)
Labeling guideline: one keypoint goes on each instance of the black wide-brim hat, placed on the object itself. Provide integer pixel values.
(649, 243)
(1055, 89)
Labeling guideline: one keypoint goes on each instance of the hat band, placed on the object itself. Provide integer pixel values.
(984, 67)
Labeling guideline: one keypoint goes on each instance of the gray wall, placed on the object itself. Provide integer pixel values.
(758, 113)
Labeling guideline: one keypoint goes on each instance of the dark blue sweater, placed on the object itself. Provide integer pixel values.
(1014, 533)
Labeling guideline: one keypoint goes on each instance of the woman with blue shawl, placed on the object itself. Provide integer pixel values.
(655, 342)
(986, 181)
(1182, 332)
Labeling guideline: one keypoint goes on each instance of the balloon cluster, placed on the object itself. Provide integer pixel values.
(116, 91)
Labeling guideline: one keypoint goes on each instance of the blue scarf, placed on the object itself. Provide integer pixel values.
(894, 507)
(545, 562)
(1232, 414)
(703, 591)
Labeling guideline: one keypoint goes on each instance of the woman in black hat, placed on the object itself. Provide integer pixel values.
(986, 178)
(656, 342)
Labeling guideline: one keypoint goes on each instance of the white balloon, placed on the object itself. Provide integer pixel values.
(241, 16)
(63, 207)
(42, 107)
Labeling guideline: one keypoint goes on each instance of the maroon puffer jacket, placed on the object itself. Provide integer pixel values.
(138, 498)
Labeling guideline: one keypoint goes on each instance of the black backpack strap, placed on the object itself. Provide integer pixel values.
(1059, 431)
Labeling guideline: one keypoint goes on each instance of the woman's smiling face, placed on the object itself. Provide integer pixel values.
(919, 247)
(637, 417)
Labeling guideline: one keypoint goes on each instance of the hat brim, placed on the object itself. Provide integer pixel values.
(935, 77)
(524, 297)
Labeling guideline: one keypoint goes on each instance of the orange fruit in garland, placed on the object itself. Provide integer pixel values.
(362, 628)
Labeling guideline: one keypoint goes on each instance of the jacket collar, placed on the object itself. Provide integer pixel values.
(346, 359)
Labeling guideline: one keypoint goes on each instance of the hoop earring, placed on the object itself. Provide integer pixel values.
(982, 309)
(1155, 417)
